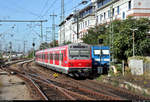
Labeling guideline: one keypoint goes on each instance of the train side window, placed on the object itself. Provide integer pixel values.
(45, 56)
(64, 53)
(51, 56)
(42, 56)
(61, 57)
(55, 56)
(58, 56)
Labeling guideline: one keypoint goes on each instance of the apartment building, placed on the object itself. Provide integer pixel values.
(103, 11)
(66, 30)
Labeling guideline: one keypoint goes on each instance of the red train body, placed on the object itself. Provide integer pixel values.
(72, 59)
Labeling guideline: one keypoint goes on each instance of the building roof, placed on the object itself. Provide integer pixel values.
(67, 18)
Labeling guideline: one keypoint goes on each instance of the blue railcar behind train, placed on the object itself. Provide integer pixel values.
(100, 59)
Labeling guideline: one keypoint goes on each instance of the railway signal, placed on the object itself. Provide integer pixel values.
(100, 41)
(33, 44)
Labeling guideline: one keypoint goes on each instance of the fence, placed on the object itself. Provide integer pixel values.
(146, 67)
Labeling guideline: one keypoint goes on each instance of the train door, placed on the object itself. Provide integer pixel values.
(43, 55)
(57, 58)
(60, 56)
(53, 58)
(48, 57)
(63, 57)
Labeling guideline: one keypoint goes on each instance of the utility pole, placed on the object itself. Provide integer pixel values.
(53, 27)
(133, 39)
(24, 48)
(41, 31)
(33, 44)
(111, 31)
(10, 49)
(62, 17)
(62, 11)
(77, 20)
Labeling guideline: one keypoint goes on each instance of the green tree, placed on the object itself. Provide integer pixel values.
(46, 45)
(93, 34)
(122, 37)
(30, 55)
(66, 43)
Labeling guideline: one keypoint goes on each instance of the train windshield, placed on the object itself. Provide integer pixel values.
(78, 54)
(101, 52)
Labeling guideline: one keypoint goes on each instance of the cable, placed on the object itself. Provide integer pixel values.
(46, 3)
(16, 5)
(50, 7)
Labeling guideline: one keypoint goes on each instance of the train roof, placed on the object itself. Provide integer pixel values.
(62, 47)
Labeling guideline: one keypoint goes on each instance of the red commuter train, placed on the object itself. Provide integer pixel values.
(73, 59)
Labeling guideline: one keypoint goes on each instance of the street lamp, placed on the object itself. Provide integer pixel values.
(133, 37)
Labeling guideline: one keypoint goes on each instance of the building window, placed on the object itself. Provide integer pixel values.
(104, 15)
(108, 13)
(88, 22)
(129, 4)
(100, 4)
(118, 10)
(113, 12)
(123, 15)
(85, 23)
(97, 19)
(101, 17)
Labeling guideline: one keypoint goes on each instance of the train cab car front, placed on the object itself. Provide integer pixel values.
(79, 59)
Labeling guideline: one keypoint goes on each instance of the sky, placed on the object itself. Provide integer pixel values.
(18, 32)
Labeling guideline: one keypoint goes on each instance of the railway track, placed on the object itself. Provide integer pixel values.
(39, 87)
(50, 90)
(82, 91)
(58, 89)
(103, 88)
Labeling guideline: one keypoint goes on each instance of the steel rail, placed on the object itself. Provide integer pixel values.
(53, 86)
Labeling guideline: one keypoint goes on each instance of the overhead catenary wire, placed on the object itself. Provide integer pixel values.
(18, 6)
(45, 5)
(46, 12)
